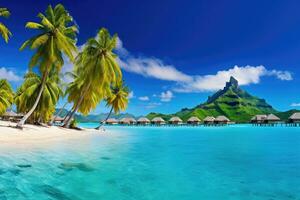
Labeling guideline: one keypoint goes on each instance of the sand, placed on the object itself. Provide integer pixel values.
(33, 135)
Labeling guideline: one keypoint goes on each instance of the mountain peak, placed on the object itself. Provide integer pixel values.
(232, 83)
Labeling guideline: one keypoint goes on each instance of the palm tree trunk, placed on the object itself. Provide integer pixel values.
(101, 123)
(67, 122)
(57, 115)
(23, 120)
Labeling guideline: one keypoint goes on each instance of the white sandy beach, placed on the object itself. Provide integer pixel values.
(38, 135)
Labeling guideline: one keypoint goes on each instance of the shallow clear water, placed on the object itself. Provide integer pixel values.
(137, 163)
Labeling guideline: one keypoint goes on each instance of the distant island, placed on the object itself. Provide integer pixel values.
(95, 117)
(232, 102)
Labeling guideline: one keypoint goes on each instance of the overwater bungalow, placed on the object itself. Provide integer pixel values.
(111, 121)
(294, 119)
(127, 121)
(221, 120)
(58, 120)
(158, 121)
(209, 120)
(272, 119)
(175, 121)
(11, 116)
(193, 121)
(143, 121)
(258, 119)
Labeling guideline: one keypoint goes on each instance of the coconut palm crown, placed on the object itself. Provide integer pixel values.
(118, 100)
(56, 36)
(29, 90)
(5, 33)
(6, 95)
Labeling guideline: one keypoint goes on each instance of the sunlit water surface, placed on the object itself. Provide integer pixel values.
(137, 163)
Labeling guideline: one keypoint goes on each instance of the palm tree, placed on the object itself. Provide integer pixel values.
(88, 102)
(5, 33)
(118, 100)
(56, 37)
(98, 69)
(6, 95)
(29, 90)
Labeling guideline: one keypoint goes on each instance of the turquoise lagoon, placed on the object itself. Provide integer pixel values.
(161, 163)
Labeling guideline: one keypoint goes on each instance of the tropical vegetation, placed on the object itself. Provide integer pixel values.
(6, 95)
(233, 102)
(29, 90)
(97, 69)
(118, 100)
(56, 37)
(5, 33)
(96, 75)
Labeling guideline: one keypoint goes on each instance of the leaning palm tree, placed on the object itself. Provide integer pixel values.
(56, 37)
(29, 90)
(97, 68)
(6, 95)
(5, 33)
(118, 100)
(89, 102)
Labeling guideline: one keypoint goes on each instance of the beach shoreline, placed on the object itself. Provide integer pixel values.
(38, 135)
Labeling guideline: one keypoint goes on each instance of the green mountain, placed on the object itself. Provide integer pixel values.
(94, 117)
(233, 102)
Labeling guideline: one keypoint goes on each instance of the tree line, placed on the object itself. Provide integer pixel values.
(96, 74)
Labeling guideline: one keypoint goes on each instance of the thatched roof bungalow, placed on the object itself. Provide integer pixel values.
(128, 120)
(193, 120)
(222, 120)
(271, 118)
(158, 121)
(111, 121)
(143, 121)
(11, 115)
(58, 119)
(209, 120)
(175, 120)
(258, 119)
(295, 118)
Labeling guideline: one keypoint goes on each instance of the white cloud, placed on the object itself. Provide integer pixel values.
(245, 75)
(153, 67)
(166, 96)
(144, 98)
(282, 75)
(148, 67)
(295, 104)
(152, 105)
(69, 66)
(156, 68)
(120, 49)
(131, 95)
(9, 75)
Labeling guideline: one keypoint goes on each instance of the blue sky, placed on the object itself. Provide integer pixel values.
(176, 53)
